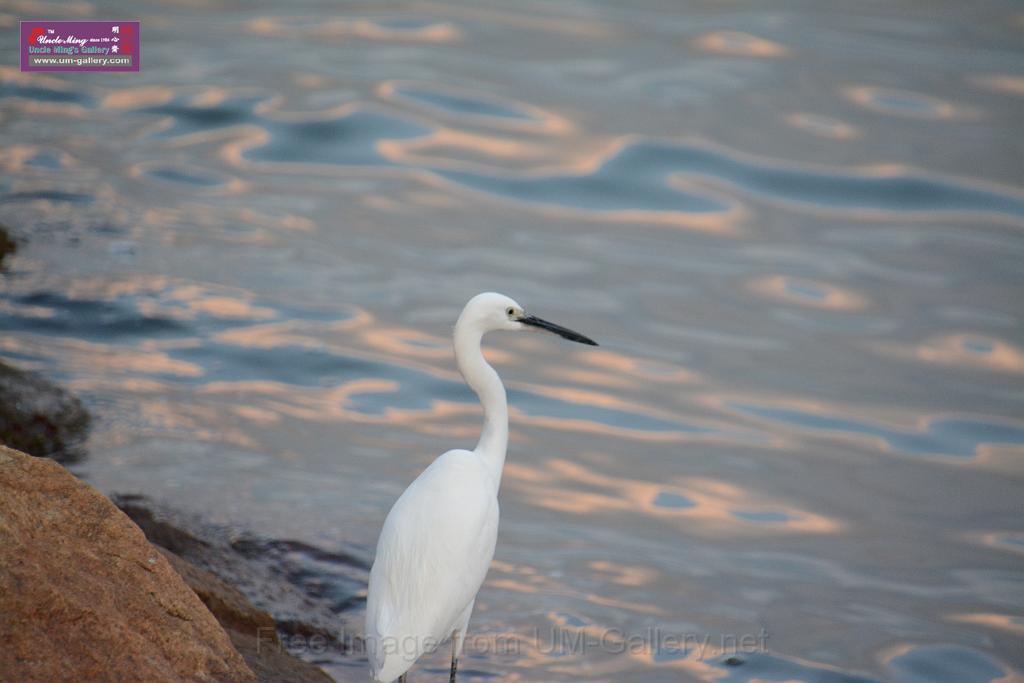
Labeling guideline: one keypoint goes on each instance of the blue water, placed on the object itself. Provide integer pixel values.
(796, 231)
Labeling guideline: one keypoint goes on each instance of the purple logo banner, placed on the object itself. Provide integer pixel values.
(80, 45)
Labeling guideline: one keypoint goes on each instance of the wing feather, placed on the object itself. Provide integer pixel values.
(433, 554)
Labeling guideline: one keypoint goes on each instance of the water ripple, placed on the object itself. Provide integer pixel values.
(219, 338)
(468, 104)
(40, 93)
(950, 437)
(398, 28)
(47, 195)
(186, 176)
(763, 666)
(737, 44)
(196, 117)
(350, 140)
(91, 318)
(903, 103)
(641, 175)
(928, 663)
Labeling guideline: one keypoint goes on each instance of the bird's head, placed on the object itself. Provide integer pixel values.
(490, 311)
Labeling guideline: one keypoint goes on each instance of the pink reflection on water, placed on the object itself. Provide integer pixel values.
(94, 357)
(648, 370)
(1002, 83)
(906, 103)
(137, 98)
(206, 180)
(529, 117)
(407, 342)
(625, 574)
(1008, 623)
(725, 222)
(258, 415)
(959, 349)
(362, 28)
(804, 292)
(713, 506)
(738, 44)
(823, 126)
(450, 148)
(18, 158)
(532, 17)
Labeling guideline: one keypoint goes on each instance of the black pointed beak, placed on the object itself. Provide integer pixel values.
(534, 321)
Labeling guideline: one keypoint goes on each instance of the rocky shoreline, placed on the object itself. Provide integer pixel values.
(94, 589)
(86, 596)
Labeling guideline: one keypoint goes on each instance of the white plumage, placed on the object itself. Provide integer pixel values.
(438, 539)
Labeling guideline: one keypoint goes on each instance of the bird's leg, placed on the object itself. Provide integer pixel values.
(401, 679)
(455, 659)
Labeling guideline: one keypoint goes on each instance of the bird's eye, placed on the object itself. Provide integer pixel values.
(511, 311)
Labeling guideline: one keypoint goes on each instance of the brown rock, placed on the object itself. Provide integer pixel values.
(252, 630)
(84, 596)
(274, 663)
(231, 608)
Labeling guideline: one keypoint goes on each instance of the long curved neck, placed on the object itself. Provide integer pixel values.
(483, 379)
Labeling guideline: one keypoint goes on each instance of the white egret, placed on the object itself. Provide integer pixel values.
(438, 540)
